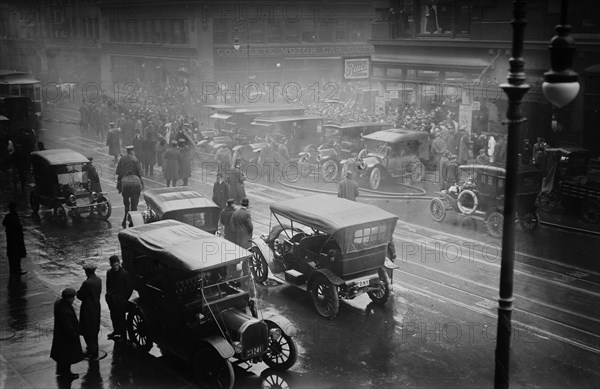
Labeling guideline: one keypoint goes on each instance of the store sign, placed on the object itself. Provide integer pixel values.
(356, 68)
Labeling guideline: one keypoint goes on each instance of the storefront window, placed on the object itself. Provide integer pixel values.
(291, 32)
(274, 31)
(394, 72)
(309, 35)
(326, 31)
(341, 31)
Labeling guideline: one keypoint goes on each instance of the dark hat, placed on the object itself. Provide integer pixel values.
(230, 201)
(113, 259)
(90, 159)
(245, 202)
(219, 174)
(69, 292)
(130, 147)
(89, 266)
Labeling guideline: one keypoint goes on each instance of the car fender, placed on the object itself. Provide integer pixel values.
(388, 264)
(222, 346)
(281, 322)
(335, 280)
(264, 249)
(136, 218)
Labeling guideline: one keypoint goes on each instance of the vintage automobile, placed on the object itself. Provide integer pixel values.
(331, 247)
(191, 302)
(392, 153)
(61, 184)
(480, 193)
(568, 182)
(212, 141)
(341, 141)
(178, 203)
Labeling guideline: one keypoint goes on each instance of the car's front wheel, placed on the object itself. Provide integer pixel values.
(529, 221)
(282, 353)
(495, 224)
(258, 265)
(330, 170)
(213, 371)
(590, 210)
(60, 215)
(437, 209)
(325, 297)
(104, 209)
(381, 296)
(137, 330)
(375, 178)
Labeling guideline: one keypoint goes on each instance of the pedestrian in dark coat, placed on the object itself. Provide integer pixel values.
(171, 164)
(348, 188)
(138, 145)
(66, 346)
(118, 291)
(113, 141)
(236, 179)
(241, 225)
(451, 173)
(220, 191)
(89, 313)
(442, 169)
(149, 154)
(15, 241)
(226, 219)
(92, 176)
(185, 162)
(129, 182)
(161, 148)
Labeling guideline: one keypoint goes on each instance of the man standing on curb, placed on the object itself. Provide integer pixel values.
(66, 346)
(118, 291)
(225, 220)
(241, 225)
(15, 241)
(89, 313)
(348, 188)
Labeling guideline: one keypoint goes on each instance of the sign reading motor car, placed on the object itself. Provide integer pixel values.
(357, 68)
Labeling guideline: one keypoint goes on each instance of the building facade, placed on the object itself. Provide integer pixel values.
(456, 52)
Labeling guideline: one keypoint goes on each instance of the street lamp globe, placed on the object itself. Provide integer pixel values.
(561, 84)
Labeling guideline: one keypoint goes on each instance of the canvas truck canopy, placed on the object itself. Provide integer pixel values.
(180, 246)
(60, 156)
(355, 226)
(165, 200)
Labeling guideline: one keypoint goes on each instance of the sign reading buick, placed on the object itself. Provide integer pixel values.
(356, 68)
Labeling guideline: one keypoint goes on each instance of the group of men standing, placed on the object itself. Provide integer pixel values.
(236, 223)
(66, 345)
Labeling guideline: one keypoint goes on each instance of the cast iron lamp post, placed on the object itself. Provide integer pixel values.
(515, 89)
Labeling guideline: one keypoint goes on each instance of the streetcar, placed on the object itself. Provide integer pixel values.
(18, 83)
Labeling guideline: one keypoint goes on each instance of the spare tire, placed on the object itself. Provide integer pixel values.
(467, 202)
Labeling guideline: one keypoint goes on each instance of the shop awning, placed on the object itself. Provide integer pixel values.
(432, 61)
(220, 116)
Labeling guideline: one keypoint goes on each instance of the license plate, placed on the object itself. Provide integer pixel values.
(363, 283)
(254, 351)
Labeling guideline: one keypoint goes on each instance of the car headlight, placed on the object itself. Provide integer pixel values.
(94, 196)
(362, 166)
(72, 199)
(237, 347)
(319, 157)
(275, 334)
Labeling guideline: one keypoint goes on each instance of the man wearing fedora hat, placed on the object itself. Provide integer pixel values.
(225, 220)
(89, 313)
(241, 225)
(66, 346)
(348, 188)
(220, 191)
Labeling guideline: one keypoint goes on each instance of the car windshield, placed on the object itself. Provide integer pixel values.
(70, 174)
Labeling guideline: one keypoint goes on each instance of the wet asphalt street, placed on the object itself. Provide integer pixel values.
(438, 330)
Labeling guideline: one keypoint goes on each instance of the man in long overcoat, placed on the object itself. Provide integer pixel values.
(66, 346)
(15, 241)
(118, 291)
(89, 313)
(171, 164)
(220, 191)
(226, 219)
(348, 188)
(185, 161)
(129, 182)
(236, 179)
(241, 224)
(92, 176)
(113, 141)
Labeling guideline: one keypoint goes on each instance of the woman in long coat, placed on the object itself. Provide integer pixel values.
(66, 346)
(171, 164)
